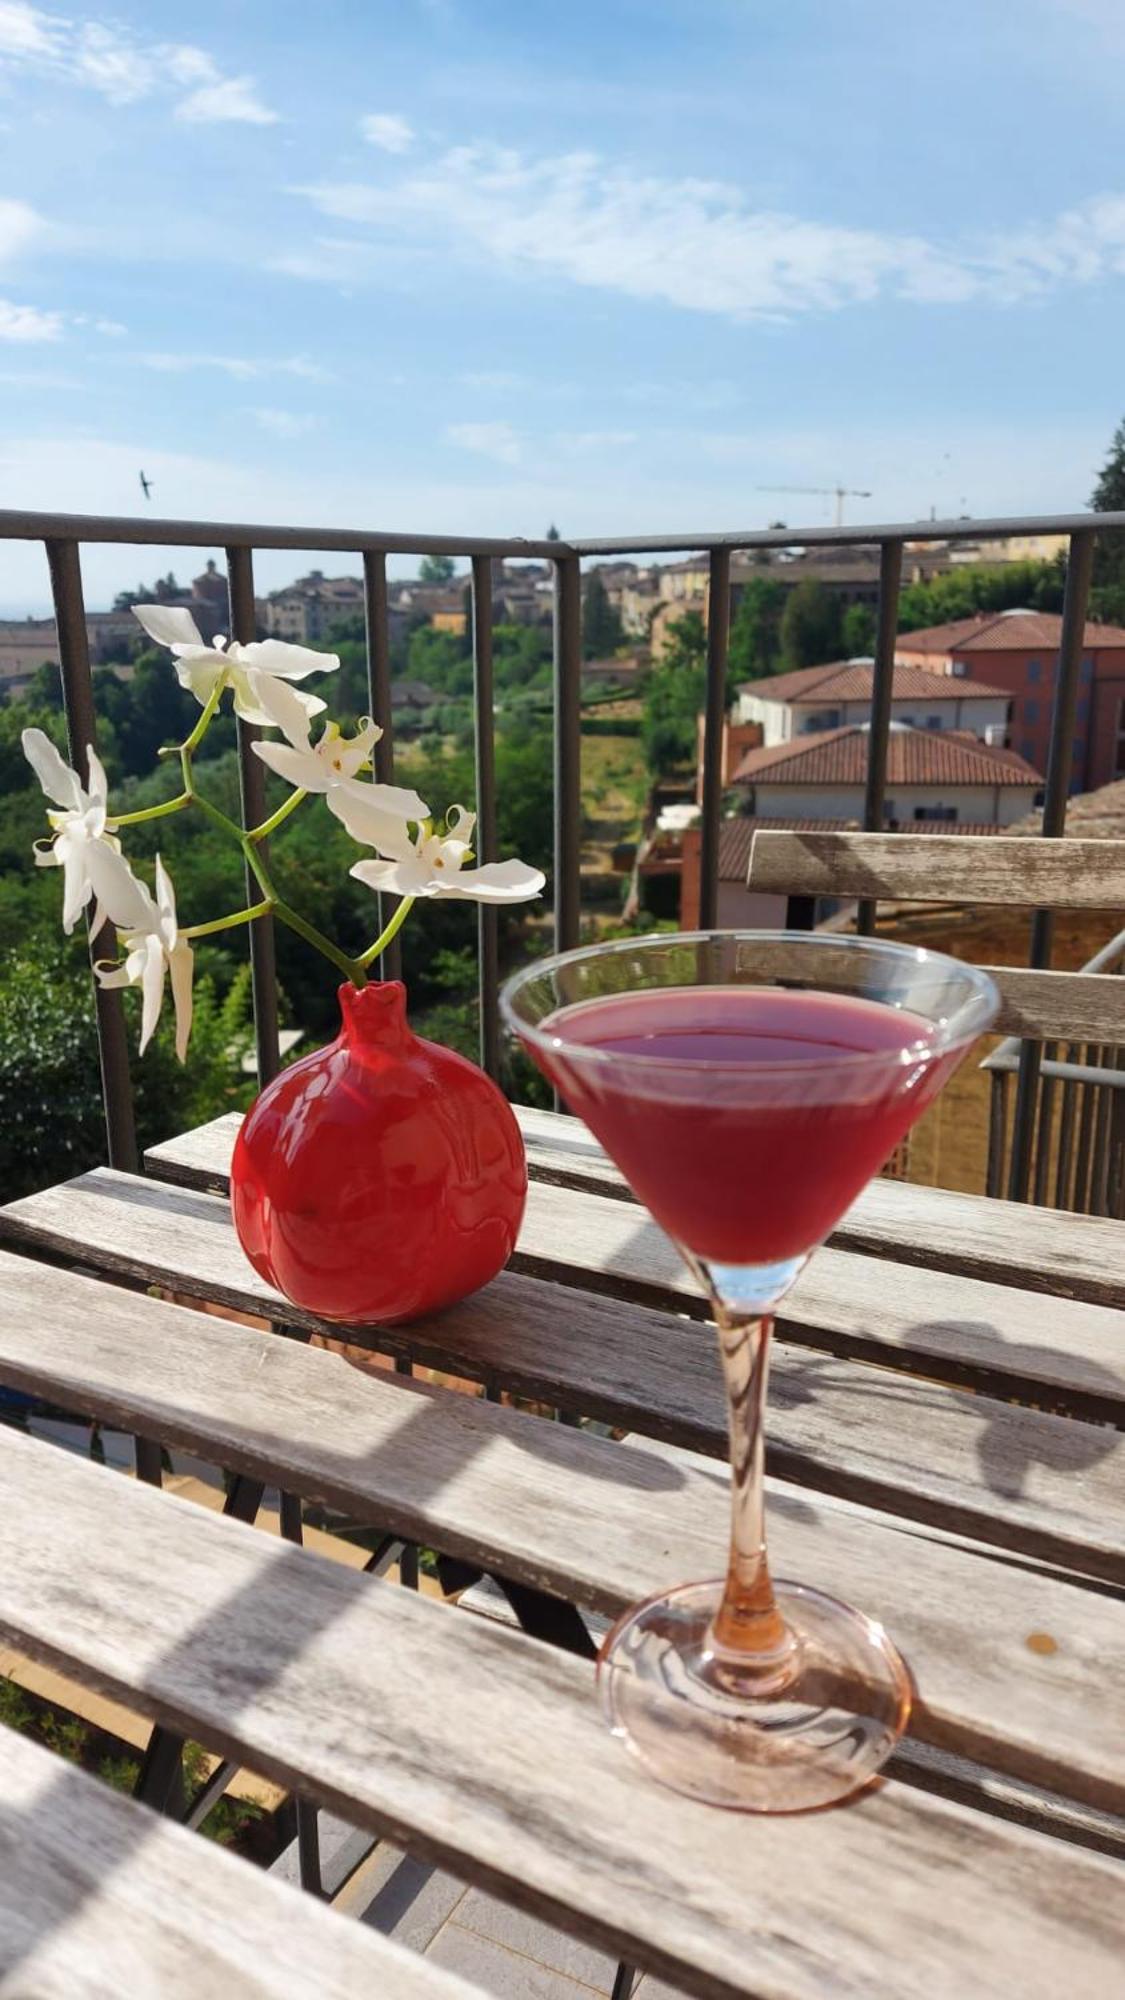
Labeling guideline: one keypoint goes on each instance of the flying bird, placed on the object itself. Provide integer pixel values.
(146, 485)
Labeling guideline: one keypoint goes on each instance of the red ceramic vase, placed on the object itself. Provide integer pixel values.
(381, 1178)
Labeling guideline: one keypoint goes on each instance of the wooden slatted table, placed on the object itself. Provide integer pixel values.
(945, 1450)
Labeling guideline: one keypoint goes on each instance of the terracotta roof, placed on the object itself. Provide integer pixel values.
(852, 680)
(914, 757)
(1005, 632)
(735, 836)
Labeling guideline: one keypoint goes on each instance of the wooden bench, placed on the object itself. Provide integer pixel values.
(990, 869)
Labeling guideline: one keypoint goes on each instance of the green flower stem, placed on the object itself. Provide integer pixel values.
(248, 839)
(271, 825)
(175, 805)
(236, 917)
(403, 911)
(209, 707)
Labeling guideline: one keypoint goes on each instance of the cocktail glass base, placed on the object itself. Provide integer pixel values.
(806, 1733)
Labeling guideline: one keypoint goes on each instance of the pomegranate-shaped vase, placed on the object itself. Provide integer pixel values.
(381, 1178)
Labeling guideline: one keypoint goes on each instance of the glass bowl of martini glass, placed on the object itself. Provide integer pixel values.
(748, 1085)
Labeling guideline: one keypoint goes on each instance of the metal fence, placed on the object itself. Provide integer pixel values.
(63, 535)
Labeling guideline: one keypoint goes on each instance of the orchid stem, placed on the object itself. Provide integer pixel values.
(210, 705)
(229, 923)
(271, 825)
(177, 804)
(392, 929)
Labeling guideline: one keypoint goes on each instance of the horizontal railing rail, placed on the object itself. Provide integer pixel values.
(63, 535)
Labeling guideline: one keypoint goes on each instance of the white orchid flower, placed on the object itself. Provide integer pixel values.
(334, 760)
(199, 665)
(82, 844)
(377, 815)
(433, 864)
(154, 947)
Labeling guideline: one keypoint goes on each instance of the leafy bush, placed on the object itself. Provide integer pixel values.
(51, 1124)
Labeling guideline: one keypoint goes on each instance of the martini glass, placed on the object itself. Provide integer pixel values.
(748, 1085)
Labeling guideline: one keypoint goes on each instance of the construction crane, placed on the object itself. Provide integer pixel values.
(840, 493)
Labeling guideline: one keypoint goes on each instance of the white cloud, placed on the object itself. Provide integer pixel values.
(238, 367)
(705, 246)
(495, 441)
(27, 323)
(232, 101)
(18, 225)
(388, 131)
(283, 423)
(106, 57)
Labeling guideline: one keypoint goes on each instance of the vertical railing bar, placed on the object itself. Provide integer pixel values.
(718, 637)
(1065, 1151)
(252, 788)
(882, 692)
(1099, 1179)
(1085, 1134)
(997, 1109)
(379, 696)
(485, 842)
(81, 730)
(1079, 570)
(568, 751)
(1046, 1115)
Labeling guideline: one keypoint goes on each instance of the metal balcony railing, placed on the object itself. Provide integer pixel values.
(1078, 1111)
(63, 535)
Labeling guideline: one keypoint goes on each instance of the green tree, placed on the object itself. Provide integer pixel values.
(811, 633)
(858, 631)
(436, 569)
(601, 623)
(1108, 497)
(755, 632)
(553, 533)
(674, 696)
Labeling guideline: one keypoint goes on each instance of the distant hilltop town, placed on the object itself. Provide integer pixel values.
(646, 599)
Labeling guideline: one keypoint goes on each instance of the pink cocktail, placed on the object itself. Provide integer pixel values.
(748, 1086)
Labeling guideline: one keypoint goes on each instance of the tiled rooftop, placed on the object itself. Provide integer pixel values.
(853, 680)
(914, 757)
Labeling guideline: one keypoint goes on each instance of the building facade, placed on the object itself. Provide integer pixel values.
(835, 696)
(939, 777)
(1018, 651)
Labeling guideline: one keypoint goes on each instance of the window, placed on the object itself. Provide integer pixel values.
(935, 812)
(1027, 749)
(933, 722)
(1031, 710)
(1086, 671)
(1035, 670)
(1119, 756)
(1083, 706)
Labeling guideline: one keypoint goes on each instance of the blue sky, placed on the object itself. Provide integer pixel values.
(472, 265)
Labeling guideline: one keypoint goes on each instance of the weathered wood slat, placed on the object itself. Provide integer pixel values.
(1048, 1486)
(593, 1521)
(485, 1752)
(995, 868)
(1059, 1006)
(1010, 1243)
(99, 1896)
(997, 1338)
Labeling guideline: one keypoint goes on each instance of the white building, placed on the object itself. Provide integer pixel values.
(932, 775)
(839, 695)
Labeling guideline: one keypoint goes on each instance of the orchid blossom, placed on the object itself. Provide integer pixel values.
(245, 669)
(154, 948)
(377, 815)
(82, 843)
(433, 864)
(333, 761)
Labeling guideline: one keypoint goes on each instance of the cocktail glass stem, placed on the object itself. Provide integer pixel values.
(749, 1641)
